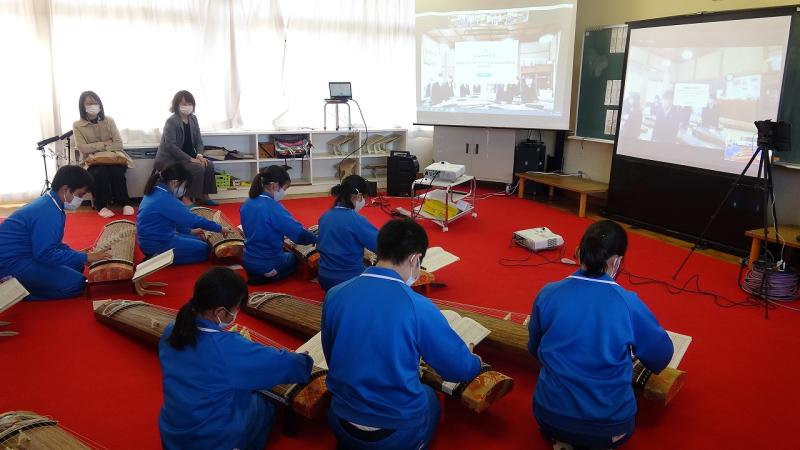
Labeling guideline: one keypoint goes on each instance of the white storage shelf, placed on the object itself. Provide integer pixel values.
(313, 174)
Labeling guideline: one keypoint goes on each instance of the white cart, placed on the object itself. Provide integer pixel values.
(446, 192)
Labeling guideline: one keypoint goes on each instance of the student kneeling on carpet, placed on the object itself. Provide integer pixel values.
(344, 234)
(265, 222)
(211, 375)
(164, 223)
(30, 240)
(375, 329)
(583, 330)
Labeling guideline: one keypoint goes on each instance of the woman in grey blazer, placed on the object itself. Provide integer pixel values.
(181, 143)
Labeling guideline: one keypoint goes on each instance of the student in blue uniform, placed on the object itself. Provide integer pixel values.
(265, 222)
(30, 240)
(375, 329)
(583, 330)
(164, 223)
(211, 375)
(344, 234)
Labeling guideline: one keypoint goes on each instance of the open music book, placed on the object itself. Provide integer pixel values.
(680, 342)
(470, 331)
(11, 292)
(153, 264)
(314, 348)
(436, 258)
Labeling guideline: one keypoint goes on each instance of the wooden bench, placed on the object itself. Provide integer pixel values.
(789, 234)
(573, 184)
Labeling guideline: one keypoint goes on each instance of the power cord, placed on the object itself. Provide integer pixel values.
(366, 135)
(416, 214)
(510, 262)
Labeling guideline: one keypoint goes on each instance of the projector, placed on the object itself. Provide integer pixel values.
(444, 171)
(536, 239)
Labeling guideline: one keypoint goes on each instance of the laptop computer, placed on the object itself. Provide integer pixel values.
(340, 90)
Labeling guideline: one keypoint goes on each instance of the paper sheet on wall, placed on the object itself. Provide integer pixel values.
(436, 258)
(613, 88)
(11, 292)
(680, 342)
(611, 122)
(314, 348)
(619, 35)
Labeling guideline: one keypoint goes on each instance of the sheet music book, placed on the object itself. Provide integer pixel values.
(680, 343)
(436, 258)
(11, 292)
(470, 331)
(314, 348)
(153, 264)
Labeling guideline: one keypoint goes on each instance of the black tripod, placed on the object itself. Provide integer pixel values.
(765, 184)
(46, 186)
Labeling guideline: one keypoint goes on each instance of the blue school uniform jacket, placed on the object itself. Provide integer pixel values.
(374, 331)
(208, 388)
(34, 233)
(582, 331)
(343, 236)
(265, 222)
(160, 216)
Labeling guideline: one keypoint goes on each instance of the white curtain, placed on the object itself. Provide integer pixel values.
(250, 64)
(26, 89)
(369, 43)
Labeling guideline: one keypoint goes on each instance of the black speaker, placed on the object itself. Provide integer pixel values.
(401, 171)
(372, 188)
(530, 156)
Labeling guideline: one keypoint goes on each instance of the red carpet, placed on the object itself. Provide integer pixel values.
(741, 391)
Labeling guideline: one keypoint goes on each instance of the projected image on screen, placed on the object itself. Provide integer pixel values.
(693, 91)
(495, 62)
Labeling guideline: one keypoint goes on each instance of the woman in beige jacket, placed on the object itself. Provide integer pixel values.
(94, 133)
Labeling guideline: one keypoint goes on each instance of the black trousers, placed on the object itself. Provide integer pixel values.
(109, 185)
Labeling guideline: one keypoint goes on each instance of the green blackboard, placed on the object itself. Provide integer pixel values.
(601, 73)
(790, 101)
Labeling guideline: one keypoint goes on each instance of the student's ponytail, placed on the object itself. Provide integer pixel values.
(267, 175)
(601, 241)
(175, 171)
(184, 332)
(217, 287)
(350, 185)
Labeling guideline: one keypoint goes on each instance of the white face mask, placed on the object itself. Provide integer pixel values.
(413, 278)
(225, 325)
(73, 204)
(93, 110)
(359, 204)
(186, 109)
(180, 191)
(278, 195)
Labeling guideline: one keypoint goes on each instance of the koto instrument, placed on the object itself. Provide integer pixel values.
(304, 316)
(509, 334)
(309, 261)
(119, 239)
(225, 245)
(26, 430)
(147, 322)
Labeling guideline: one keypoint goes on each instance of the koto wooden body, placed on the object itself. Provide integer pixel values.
(305, 316)
(148, 322)
(26, 430)
(309, 262)
(119, 239)
(224, 245)
(511, 338)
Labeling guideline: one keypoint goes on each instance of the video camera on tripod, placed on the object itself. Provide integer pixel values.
(774, 135)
